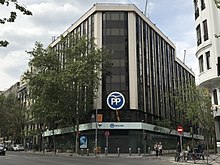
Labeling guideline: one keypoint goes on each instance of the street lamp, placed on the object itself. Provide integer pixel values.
(97, 124)
(94, 118)
(96, 131)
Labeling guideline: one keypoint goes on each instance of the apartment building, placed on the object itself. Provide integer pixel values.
(207, 21)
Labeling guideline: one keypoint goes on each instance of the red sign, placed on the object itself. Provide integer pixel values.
(180, 129)
(107, 133)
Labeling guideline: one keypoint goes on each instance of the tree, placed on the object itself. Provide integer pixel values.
(197, 110)
(63, 82)
(13, 15)
(217, 3)
(11, 123)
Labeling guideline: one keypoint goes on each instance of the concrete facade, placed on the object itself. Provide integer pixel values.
(207, 21)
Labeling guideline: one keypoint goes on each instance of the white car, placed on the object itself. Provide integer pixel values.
(18, 147)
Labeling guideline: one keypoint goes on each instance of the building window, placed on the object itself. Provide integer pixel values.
(207, 54)
(202, 4)
(201, 68)
(115, 39)
(205, 28)
(196, 9)
(215, 97)
(218, 66)
(198, 32)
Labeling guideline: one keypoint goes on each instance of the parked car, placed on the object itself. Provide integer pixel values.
(2, 149)
(18, 147)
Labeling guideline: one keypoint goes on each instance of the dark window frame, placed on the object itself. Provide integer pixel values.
(207, 55)
(201, 64)
(198, 33)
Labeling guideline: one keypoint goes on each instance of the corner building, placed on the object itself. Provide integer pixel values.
(207, 20)
(144, 69)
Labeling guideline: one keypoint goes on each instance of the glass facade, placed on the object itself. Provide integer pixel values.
(115, 39)
(159, 74)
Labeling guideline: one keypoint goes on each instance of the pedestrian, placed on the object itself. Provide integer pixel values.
(156, 149)
(189, 152)
(178, 151)
(160, 149)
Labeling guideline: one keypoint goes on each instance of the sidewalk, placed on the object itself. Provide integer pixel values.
(212, 159)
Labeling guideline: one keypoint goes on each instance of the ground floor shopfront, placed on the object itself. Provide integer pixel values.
(118, 135)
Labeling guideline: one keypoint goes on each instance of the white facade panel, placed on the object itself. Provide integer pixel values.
(98, 41)
(132, 60)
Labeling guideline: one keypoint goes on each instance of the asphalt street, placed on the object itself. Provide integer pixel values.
(26, 158)
(30, 158)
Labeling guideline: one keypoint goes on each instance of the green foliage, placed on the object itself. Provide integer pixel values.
(63, 82)
(13, 15)
(12, 116)
(217, 3)
(197, 108)
(4, 43)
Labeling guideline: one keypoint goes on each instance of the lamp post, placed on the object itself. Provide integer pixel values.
(192, 132)
(96, 132)
(94, 119)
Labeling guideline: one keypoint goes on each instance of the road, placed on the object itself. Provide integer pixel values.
(23, 158)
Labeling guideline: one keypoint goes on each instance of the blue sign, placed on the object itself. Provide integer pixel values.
(83, 142)
(115, 100)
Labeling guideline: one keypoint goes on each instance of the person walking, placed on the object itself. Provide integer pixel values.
(178, 151)
(160, 149)
(156, 149)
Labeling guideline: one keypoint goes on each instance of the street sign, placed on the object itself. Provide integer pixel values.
(115, 100)
(107, 133)
(180, 129)
(99, 118)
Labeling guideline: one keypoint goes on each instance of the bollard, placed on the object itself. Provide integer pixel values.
(95, 151)
(129, 151)
(106, 151)
(81, 152)
(148, 150)
(139, 151)
(118, 149)
(87, 152)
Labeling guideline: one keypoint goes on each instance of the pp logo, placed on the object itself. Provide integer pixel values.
(115, 100)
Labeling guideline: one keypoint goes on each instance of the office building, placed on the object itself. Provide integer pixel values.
(145, 70)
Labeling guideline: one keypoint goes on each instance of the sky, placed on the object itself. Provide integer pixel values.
(175, 18)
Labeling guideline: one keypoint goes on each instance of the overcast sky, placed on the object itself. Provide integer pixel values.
(175, 18)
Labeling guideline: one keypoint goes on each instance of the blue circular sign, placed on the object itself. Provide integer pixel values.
(115, 100)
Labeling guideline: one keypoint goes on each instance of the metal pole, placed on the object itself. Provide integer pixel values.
(43, 145)
(77, 131)
(181, 143)
(106, 143)
(145, 10)
(118, 149)
(96, 132)
(129, 151)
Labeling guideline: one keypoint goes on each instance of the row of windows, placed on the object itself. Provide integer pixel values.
(115, 39)
(158, 74)
(201, 62)
(196, 5)
(199, 33)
